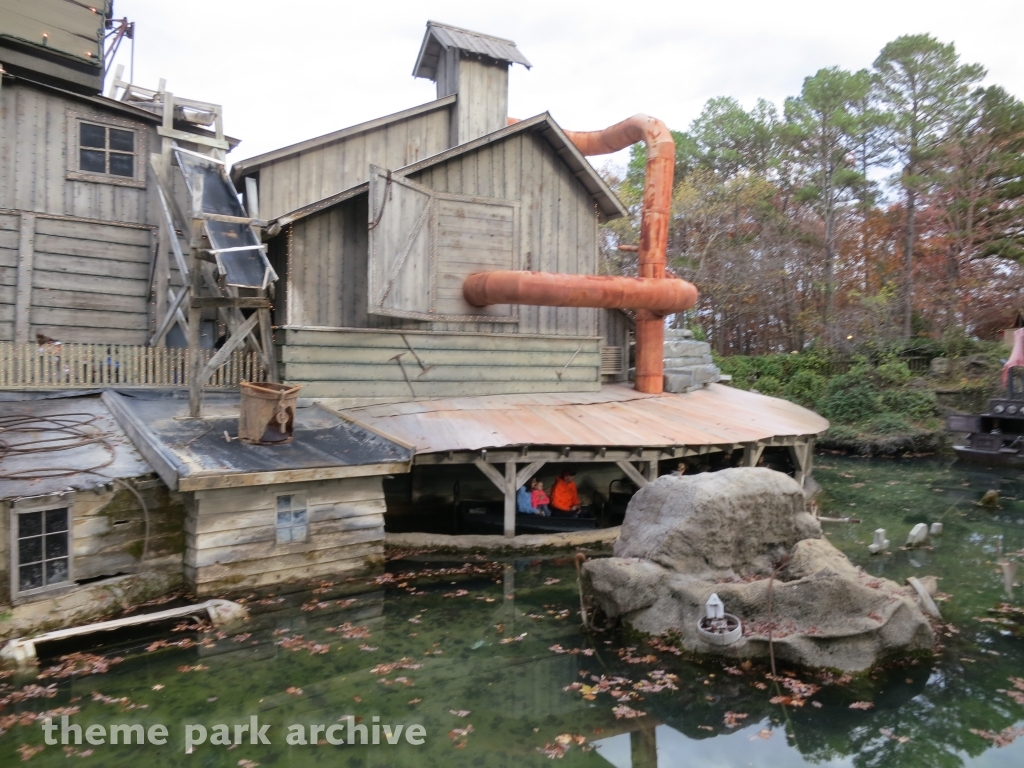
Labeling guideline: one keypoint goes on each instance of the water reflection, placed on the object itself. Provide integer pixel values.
(452, 642)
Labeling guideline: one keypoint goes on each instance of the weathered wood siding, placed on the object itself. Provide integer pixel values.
(614, 328)
(327, 252)
(482, 89)
(109, 531)
(353, 363)
(9, 229)
(33, 160)
(309, 176)
(231, 535)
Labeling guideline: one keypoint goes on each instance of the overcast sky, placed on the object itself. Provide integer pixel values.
(288, 71)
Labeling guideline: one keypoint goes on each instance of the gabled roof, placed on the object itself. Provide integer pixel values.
(245, 167)
(440, 37)
(543, 124)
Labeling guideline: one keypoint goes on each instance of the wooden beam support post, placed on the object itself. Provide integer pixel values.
(652, 470)
(492, 474)
(752, 454)
(23, 291)
(632, 473)
(528, 471)
(801, 453)
(510, 498)
(195, 314)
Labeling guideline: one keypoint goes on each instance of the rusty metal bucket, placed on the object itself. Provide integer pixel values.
(267, 413)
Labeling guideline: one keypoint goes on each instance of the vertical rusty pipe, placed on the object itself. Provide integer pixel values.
(657, 203)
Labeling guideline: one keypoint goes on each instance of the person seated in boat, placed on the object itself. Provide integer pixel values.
(539, 497)
(565, 500)
(524, 502)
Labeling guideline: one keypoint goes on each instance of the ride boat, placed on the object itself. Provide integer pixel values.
(996, 437)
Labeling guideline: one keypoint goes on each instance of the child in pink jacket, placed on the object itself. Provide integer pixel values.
(540, 498)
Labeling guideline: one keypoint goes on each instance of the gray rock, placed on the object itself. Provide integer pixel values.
(717, 524)
(679, 380)
(678, 333)
(685, 348)
(685, 538)
(686, 362)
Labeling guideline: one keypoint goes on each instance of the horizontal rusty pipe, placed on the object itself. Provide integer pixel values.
(657, 204)
(549, 289)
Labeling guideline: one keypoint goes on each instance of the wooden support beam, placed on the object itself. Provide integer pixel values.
(252, 197)
(252, 222)
(801, 455)
(528, 471)
(195, 359)
(192, 138)
(173, 311)
(652, 470)
(23, 292)
(229, 346)
(752, 454)
(267, 345)
(491, 473)
(510, 498)
(242, 302)
(632, 473)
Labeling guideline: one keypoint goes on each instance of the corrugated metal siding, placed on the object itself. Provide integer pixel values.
(615, 416)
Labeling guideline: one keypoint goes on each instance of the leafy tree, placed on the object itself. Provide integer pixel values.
(823, 126)
(924, 89)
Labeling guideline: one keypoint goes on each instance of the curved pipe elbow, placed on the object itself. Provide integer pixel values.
(660, 296)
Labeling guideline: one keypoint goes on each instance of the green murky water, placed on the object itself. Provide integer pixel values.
(488, 659)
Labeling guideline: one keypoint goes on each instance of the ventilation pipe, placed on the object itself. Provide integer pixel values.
(652, 294)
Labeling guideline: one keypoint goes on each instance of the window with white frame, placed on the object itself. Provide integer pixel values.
(106, 150)
(292, 520)
(41, 550)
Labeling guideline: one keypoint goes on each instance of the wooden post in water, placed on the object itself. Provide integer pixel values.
(510, 498)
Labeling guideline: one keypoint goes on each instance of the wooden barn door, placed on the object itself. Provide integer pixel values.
(425, 243)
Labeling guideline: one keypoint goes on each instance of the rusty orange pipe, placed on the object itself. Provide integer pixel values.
(657, 204)
(550, 289)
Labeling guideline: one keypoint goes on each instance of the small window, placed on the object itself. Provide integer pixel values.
(292, 522)
(43, 550)
(106, 150)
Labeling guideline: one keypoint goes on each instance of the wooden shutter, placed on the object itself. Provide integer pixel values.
(424, 244)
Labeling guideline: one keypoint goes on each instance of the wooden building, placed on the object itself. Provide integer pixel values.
(80, 217)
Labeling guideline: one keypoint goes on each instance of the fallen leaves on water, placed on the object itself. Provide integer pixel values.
(247, 764)
(348, 632)
(862, 705)
(27, 752)
(517, 639)
(889, 734)
(764, 733)
(460, 735)
(1003, 738)
(387, 669)
(294, 691)
(573, 651)
(365, 647)
(122, 701)
(193, 668)
(705, 727)
(457, 593)
(415, 701)
(1018, 694)
(551, 580)
(72, 752)
(185, 642)
(79, 664)
(562, 744)
(732, 719)
(30, 692)
(158, 687)
(622, 711)
(460, 712)
(297, 643)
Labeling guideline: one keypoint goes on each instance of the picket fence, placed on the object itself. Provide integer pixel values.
(67, 366)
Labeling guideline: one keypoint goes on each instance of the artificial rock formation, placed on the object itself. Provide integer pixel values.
(685, 538)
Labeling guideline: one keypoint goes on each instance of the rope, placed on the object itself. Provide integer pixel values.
(73, 430)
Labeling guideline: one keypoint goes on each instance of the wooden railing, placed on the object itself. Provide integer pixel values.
(67, 366)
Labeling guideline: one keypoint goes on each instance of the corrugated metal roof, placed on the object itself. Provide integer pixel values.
(440, 37)
(617, 415)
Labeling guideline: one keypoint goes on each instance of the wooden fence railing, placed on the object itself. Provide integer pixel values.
(68, 366)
